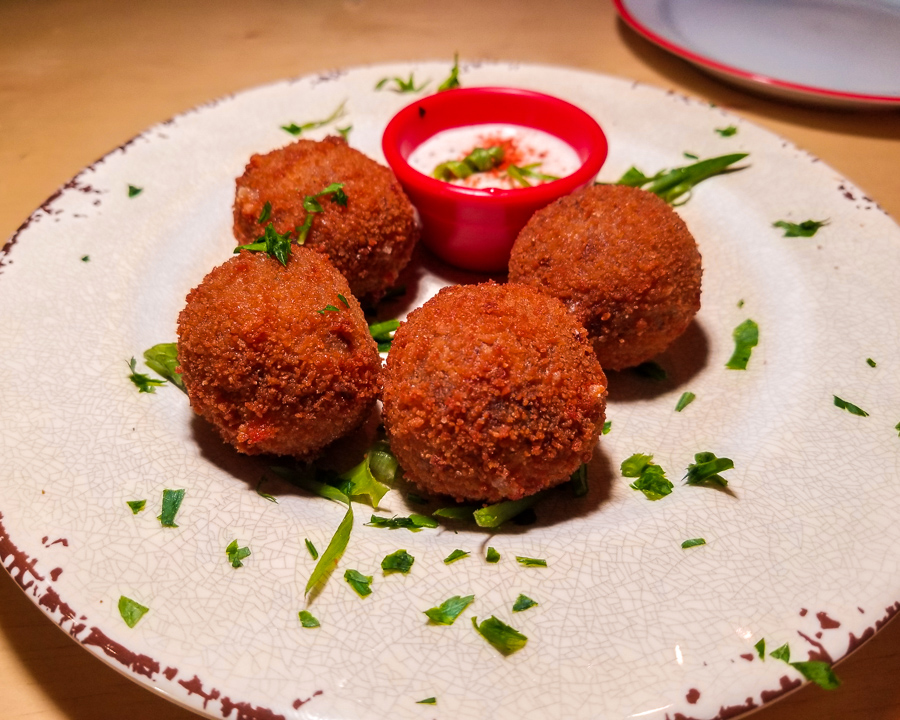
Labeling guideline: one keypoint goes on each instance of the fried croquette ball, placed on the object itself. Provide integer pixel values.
(622, 261)
(370, 240)
(279, 359)
(492, 392)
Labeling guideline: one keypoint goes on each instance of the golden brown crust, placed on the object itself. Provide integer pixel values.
(369, 241)
(492, 392)
(264, 366)
(620, 259)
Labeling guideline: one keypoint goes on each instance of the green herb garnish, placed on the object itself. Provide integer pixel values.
(579, 481)
(849, 407)
(270, 498)
(706, 468)
(329, 308)
(761, 648)
(171, 501)
(523, 602)
(273, 243)
(686, 399)
(651, 478)
(136, 505)
(531, 562)
(479, 160)
(871, 363)
(414, 522)
(295, 129)
(807, 228)
(454, 556)
(307, 620)
(427, 701)
(456, 512)
(672, 184)
(746, 337)
(265, 214)
(162, 359)
(144, 383)
(651, 371)
(492, 555)
(359, 582)
(607, 426)
(897, 428)
(401, 85)
(383, 333)
(85, 258)
(334, 550)
(235, 554)
(311, 548)
(134, 191)
(782, 653)
(504, 638)
(727, 131)
(312, 206)
(694, 542)
(740, 303)
(495, 515)
(690, 155)
(131, 611)
(453, 80)
(520, 174)
(345, 132)
(366, 477)
(818, 672)
(399, 561)
(447, 612)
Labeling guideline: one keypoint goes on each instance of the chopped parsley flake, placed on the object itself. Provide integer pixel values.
(456, 512)
(265, 214)
(495, 515)
(897, 428)
(134, 191)
(427, 701)
(849, 407)
(651, 478)
(651, 371)
(162, 359)
(359, 582)
(170, 503)
(131, 611)
(85, 258)
(453, 80)
(295, 129)
(706, 468)
(686, 399)
(531, 562)
(345, 131)
(492, 555)
(761, 648)
(523, 602)
(807, 228)
(136, 506)
(236, 554)
(693, 543)
(312, 549)
(414, 522)
(270, 498)
(399, 561)
(271, 242)
(144, 383)
(746, 337)
(366, 478)
(312, 206)
(782, 653)
(329, 308)
(401, 85)
(607, 426)
(343, 300)
(579, 481)
(740, 303)
(690, 155)
(333, 552)
(505, 639)
(818, 672)
(672, 184)
(454, 556)
(727, 131)
(383, 333)
(447, 612)
(871, 363)
(307, 620)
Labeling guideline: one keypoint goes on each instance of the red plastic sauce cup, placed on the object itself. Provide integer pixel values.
(474, 228)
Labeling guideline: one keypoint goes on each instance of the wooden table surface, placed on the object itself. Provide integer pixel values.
(78, 78)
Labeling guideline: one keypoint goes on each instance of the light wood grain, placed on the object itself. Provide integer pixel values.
(79, 78)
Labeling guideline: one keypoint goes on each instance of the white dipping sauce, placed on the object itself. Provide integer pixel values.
(522, 146)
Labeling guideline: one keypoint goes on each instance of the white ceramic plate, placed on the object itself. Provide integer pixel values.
(827, 52)
(803, 551)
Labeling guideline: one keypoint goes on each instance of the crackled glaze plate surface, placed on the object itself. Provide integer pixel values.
(842, 53)
(803, 550)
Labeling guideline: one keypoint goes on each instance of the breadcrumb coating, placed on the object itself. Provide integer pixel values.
(264, 366)
(622, 261)
(492, 392)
